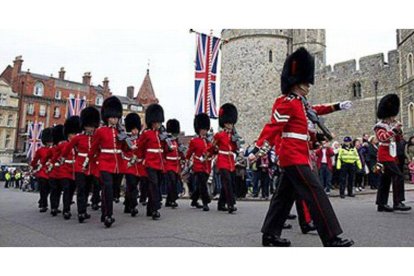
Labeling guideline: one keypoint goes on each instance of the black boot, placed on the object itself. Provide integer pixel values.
(127, 210)
(273, 240)
(222, 208)
(291, 216)
(54, 212)
(196, 204)
(232, 209)
(339, 242)
(402, 207)
(81, 218)
(308, 228)
(87, 216)
(174, 204)
(67, 215)
(156, 215)
(206, 208)
(43, 210)
(134, 212)
(102, 218)
(95, 207)
(384, 208)
(108, 221)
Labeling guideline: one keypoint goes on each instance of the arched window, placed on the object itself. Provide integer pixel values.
(411, 115)
(39, 89)
(270, 56)
(10, 120)
(410, 65)
(356, 90)
(99, 100)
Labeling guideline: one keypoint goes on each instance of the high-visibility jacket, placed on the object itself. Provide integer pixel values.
(348, 156)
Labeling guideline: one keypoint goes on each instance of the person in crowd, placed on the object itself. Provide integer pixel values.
(324, 156)
(409, 155)
(371, 162)
(7, 177)
(360, 173)
(241, 164)
(335, 172)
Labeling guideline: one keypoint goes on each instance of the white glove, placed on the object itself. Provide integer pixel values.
(345, 105)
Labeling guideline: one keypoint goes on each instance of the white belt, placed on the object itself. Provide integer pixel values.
(69, 161)
(294, 135)
(127, 158)
(384, 144)
(82, 154)
(111, 151)
(155, 150)
(172, 158)
(200, 158)
(226, 152)
(140, 160)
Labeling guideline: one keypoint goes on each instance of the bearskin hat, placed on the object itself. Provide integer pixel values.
(227, 114)
(111, 108)
(72, 126)
(47, 136)
(132, 120)
(90, 117)
(201, 121)
(153, 114)
(173, 126)
(299, 68)
(58, 134)
(389, 106)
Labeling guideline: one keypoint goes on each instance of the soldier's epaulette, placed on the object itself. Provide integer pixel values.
(290, 97)
(383, 125)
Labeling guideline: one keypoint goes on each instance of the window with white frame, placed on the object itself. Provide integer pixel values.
(30, 109)
(125, 106)
(56, 112)
(410, 65)
(3, 99)
(10, 120)
(42, 110)
(39, 89)
(99, 100)
(1, 119)
(411, 114)
(58, 95)
(7, 141)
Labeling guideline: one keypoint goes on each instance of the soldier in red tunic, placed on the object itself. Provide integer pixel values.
(289, 122)
(54, 171)
(81, 144)
(388, 131)
(225, 146)
(172, 157)
(150, 146)
(39, 167)
(133, 127)
(198, 153)
(107, 150)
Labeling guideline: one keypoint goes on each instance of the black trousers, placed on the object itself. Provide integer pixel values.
(131, 191)
(347, 175)
(68, 188)
(154, 195)
(172, 186)
(109, 181)
(117, 188)
(300, 182)
(83, 185)
(227, 183)
(143, 189)
(96, 191)
(201, 190)
(55, 193)
(391, 174)
(44, 191)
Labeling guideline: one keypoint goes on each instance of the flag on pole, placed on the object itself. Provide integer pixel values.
(75, 106)
(34, 138)
(205, 74)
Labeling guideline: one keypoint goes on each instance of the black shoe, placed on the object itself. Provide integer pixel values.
(351, 195)
(206, 208)
(401, 207)
(196, 204)
(308, 228)
(87, 216)
(67, 215)
(384, 208)
(144, 203)
(168, 204)
(95, 207)
(174, 204)
(287, 226)
(156, 215)
(342, 196)
(81, 218)
(291, 216)
(134, 212)
(59, 211)
(127, 210)
(232, 209)
(116, 200)
(339, 242)
(43, 210)
(222, 208)
(54, 212)
(108, 221)
(272, 240)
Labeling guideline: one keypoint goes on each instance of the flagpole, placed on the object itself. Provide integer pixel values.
(223, 41)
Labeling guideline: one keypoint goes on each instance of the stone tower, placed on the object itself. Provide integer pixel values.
(314, 41)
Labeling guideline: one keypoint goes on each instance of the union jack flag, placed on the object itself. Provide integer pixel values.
(205, 75)
(33, 141)
(75, 106)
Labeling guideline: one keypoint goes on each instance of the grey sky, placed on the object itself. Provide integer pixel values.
(122, 56)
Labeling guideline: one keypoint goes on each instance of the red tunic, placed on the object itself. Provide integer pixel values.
(55, 169)
(385, 136)
(151, 149)
(128, 154)
(289, 119)
(106, 149)
(198, 148)
(172, 157)
(42, 155)
(67, 169)
(81, 143)
(225, 149)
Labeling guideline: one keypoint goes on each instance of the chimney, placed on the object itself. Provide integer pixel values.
(130, 92)
(106, 84)
(86, 79)
(62, 73)
(17, 67)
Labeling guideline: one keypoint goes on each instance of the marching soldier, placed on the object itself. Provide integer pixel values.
(150, 148)
(54, 171)
(289, 122)
(198, 152)
(81, 144)
(38, 164)
(106, 149)
(388, 131)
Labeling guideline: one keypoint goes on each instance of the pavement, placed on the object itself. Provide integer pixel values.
(21, 225)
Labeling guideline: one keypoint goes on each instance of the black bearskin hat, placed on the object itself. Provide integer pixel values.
(227, 114)
(90, 117)
(154, 114)
(201, 121)
(299, 68)
(111, 108)
(47, 136)
(132, 120)
(173, 126)
(72, 126)
(58, 135)
(389, 106)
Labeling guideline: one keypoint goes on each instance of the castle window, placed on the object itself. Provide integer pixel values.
(10, 120)
(38, 89)
(356, 89)
(411, 115)
(410, 65)
(270, 56)
(42, 110)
